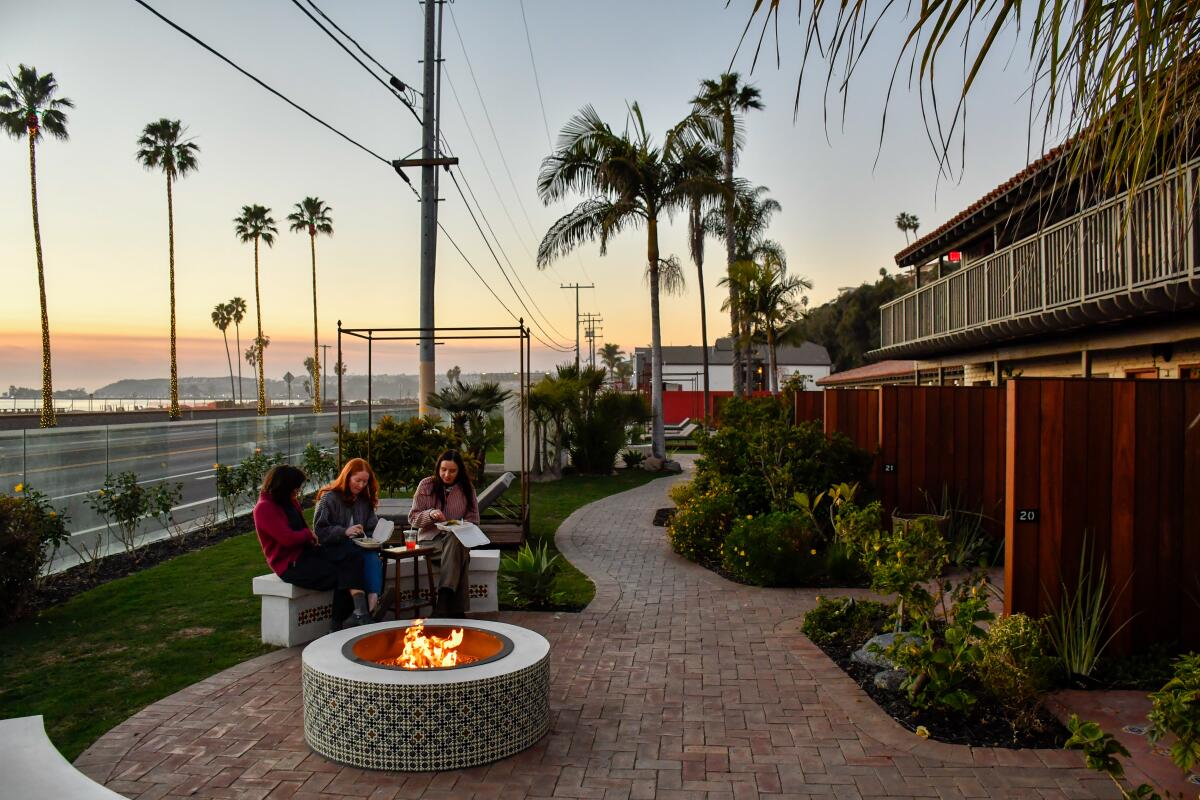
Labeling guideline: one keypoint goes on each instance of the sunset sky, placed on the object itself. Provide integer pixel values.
(104, 218)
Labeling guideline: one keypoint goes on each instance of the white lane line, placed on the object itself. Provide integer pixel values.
(150, 480)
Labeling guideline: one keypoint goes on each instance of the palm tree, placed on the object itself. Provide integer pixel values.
(630, 182)
(237, 312)
(753, 212)
(222, 315)
(288, 377)
(723, 102)
(255, 224)
(770, 303)
(470, 406)
(252, 358)
(161, 146)
(610, 356)
(312, 215)
(907, 222)
(28, 107)
(310, 367)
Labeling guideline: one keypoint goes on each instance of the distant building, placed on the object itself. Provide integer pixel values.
(683, 367)
(881, 373)
(1035, 280)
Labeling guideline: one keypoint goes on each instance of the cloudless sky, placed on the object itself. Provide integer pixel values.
(103, 217)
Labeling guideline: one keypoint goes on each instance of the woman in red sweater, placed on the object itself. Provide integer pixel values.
(295, 555)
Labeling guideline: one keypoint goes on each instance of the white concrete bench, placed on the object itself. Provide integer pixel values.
(292, 615)
(33, 768)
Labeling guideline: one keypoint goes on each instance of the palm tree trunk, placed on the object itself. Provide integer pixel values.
(312, 238)
(262, 387)
(48, 418)
(658, 437)
(772, 366)
(731, 251)
(173, 412)
(704, 339)
(232, 391)
(237, 332)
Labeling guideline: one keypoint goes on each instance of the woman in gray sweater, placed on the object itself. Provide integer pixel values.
(346, 510)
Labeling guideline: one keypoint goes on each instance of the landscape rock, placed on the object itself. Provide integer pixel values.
(890, 679)
(652, 464)
(867, 653)
(674, 467)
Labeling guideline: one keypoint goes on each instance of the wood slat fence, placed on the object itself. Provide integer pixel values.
(1114, 466)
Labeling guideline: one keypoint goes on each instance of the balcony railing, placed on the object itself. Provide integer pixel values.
(1123, 257)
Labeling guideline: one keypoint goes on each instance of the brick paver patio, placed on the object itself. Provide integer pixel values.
(674, 683)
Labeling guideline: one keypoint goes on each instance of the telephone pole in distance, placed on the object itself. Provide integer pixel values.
(576, 287)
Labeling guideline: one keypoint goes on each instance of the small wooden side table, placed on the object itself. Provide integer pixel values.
(399, 554)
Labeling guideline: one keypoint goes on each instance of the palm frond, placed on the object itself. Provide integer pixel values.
(591, 220)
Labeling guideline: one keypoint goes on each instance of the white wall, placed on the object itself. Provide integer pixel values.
(720, 377)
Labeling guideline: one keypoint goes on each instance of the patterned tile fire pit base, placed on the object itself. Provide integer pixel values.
(366, 714)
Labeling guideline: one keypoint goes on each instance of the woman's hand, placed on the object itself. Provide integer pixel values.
(437, 516)
(354, 531)
(315, 541)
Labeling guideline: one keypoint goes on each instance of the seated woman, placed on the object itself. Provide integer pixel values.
(447, 494)
(295, 555)
(346, 510)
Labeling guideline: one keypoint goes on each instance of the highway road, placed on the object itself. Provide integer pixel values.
(68, 464)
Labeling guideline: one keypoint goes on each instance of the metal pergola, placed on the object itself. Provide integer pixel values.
(518, 333)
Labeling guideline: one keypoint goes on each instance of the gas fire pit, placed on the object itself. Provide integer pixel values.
(445, 694)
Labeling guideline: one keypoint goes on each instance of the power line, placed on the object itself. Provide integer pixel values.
(371, 58)
(261, 83)
(536, 81)
(545, 317)
(474, 219)
(385, 84)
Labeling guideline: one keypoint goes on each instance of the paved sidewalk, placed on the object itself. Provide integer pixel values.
(674, 683)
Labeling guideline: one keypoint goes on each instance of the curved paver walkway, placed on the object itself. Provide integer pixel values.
(674, 683)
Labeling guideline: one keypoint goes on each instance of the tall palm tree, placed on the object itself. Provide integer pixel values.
(907, 222)
(222, 315)
(312, 216)
(28, 107)
(252, 358)
(610, 356)
(254, 225)
(724, 102)
(162, 146)
(630, 182)
(237, 312)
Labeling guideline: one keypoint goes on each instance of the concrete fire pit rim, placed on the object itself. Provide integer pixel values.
(325, 655)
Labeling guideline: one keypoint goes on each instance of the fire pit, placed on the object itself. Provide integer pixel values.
(447, 694)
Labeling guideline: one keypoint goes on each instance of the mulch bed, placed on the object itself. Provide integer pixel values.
(662, 517)
(62, 586)
(988, 725)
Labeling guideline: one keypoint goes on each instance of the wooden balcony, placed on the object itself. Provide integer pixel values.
(1126, 257)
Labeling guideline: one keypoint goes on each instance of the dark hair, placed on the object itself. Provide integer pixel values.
(463, 481)
(281, 481)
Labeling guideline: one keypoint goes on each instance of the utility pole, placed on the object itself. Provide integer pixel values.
(430, 148)
(589, 321)
(576, 287)
(324, 372)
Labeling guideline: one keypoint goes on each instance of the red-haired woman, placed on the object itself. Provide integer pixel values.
(346, 510)
(294, 554)
(447, 494)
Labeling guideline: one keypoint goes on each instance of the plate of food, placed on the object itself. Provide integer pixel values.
(367, 543)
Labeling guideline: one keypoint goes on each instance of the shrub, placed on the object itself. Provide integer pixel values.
(765, 460)
(402, 453)
(229, 487)
(599, 420)
(844, 621)
(30, 531)
(528, 577)
(903, 560)
(697, 530)
(1100, 751)
(775, 549)
(1077, 626)
(320, 466)
(633, 458)
(941, 660)
(1176, 710)
(122, 502)
(1016, 668)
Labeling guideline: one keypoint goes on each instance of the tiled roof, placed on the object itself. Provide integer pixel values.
(1032, 169)
(880, 370)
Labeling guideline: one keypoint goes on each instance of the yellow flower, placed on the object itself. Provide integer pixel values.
(20, 487)
(812, 552)
(216, 466)
(877, 546)
(922, 731)
(53, 513)
(741, 552)
(749, 516)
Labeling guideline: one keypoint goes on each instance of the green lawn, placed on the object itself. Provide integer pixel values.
(94, 661)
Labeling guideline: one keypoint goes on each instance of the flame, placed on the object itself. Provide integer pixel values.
(425, 652)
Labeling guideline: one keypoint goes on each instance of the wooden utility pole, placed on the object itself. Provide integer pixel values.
(576, 287)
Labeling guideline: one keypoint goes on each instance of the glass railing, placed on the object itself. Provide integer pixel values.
(68, 464)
